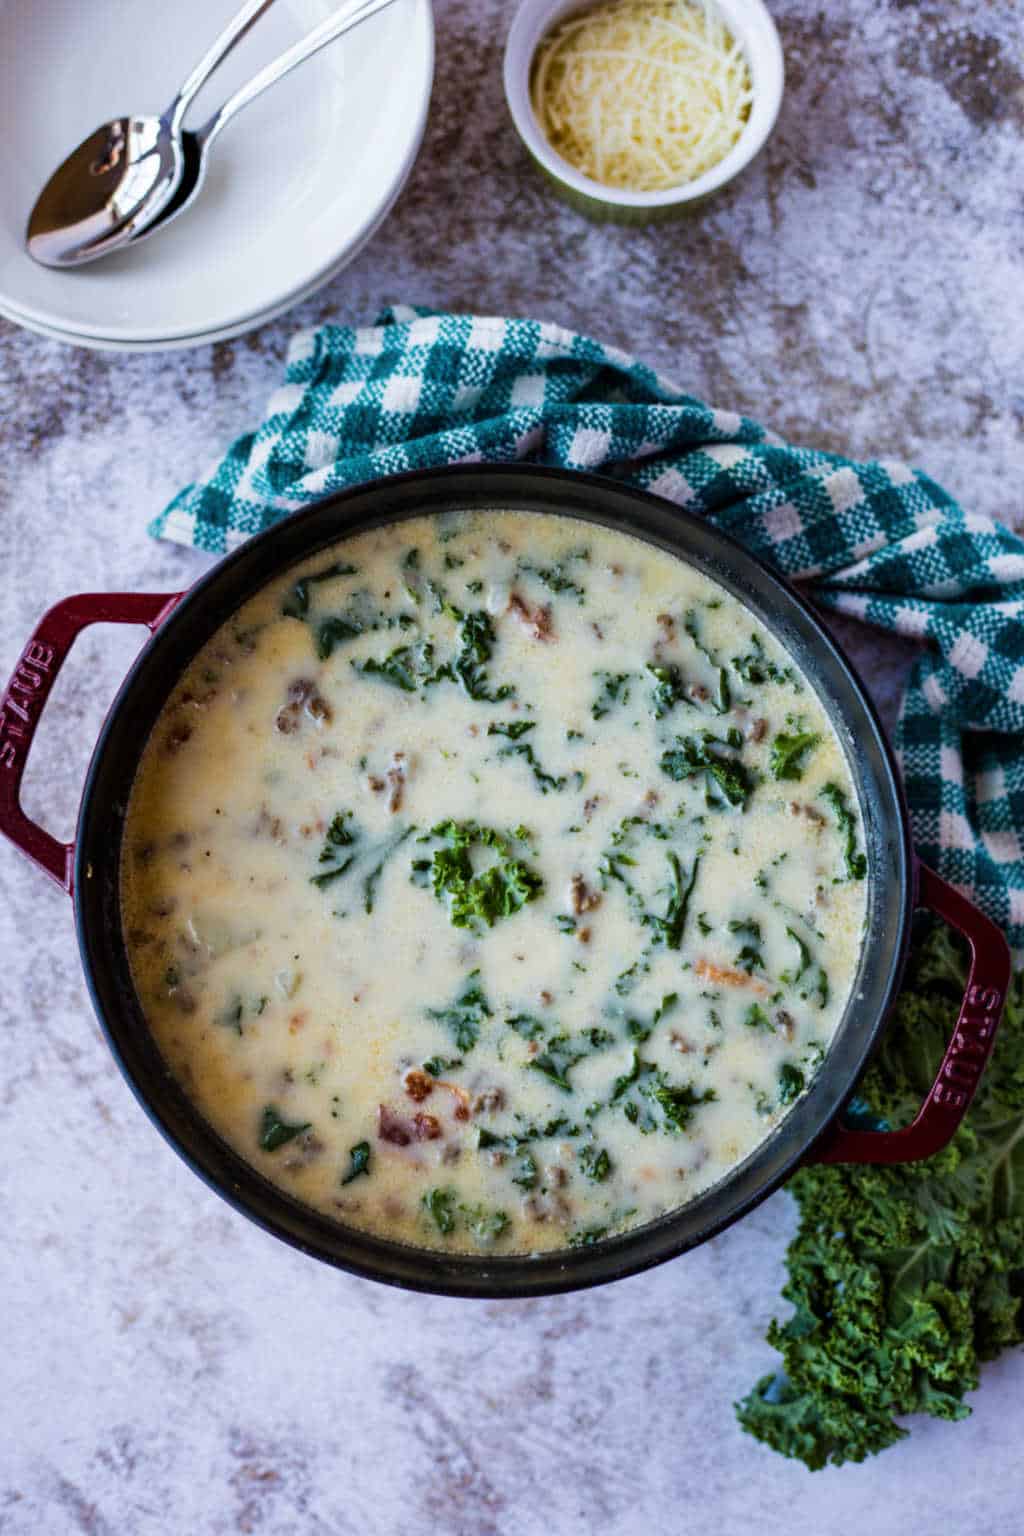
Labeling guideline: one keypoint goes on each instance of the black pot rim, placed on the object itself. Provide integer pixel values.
(496, 486)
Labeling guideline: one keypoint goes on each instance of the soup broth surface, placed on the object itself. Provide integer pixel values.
(493, 882)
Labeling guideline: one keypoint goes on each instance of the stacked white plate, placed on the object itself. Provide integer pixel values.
(296, 185)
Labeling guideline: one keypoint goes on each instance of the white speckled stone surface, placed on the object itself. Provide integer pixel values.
(166, 1368)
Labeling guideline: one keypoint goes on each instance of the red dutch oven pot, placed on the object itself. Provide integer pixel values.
(814, 1129)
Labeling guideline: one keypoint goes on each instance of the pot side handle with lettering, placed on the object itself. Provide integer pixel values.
(25, 696)
(966, 1055)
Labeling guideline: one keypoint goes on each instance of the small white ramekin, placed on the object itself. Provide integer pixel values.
(750, 24)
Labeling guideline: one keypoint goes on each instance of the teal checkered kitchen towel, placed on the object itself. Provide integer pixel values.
(877, 540)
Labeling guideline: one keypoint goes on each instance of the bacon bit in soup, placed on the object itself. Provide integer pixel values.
(303, 694)
(269, 826)
(536, 621)
(786, 1024)
(798, 808)
(393, 1128)
(177, 736)
(396, 776)
(551, 1207)
(724, 975)
(418, 1085)
(192, 700)
(581, 897)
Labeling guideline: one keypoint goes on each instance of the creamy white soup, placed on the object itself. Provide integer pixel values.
(494, 882)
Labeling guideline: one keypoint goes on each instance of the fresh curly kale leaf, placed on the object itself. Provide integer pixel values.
(904, 1279)
(296, 602)
(651, 1102)
(670, 688)
(406, 667)
(791, 1083)
(756, 666)
(370, 857)
(359, 1161)
(481, 894)
(381, 854)
(790, 752)
(595, 1163)
(412, 667)
(275, 1131)
(668, 929)
(727, 781)
(339, 835)
(722, 699)
(440, 1066)
(439, 1204)
(464, 1017)
(614, 690)
(545, 782)
(562, 1052)
(469, 668)
(360, 615)
(485, 1226)
(639, 1029)
(513, 729)
(846, 821)
(749, 957)
(555, 577)
(333, 631)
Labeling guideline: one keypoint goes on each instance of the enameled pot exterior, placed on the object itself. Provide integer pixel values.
(181, 624)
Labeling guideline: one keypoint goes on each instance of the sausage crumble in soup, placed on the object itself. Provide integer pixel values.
(493, 882)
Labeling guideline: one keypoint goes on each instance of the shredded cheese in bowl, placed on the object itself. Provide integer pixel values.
(643, 95)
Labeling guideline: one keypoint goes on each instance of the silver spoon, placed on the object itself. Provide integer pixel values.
(135, 174)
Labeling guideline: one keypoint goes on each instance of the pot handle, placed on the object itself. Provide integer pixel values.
(25, 695)
(966, 1054)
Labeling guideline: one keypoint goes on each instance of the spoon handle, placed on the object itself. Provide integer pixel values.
(347, 16)
(217, 52)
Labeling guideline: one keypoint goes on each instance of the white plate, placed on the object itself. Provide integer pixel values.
(296, 185)
(202, 338)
